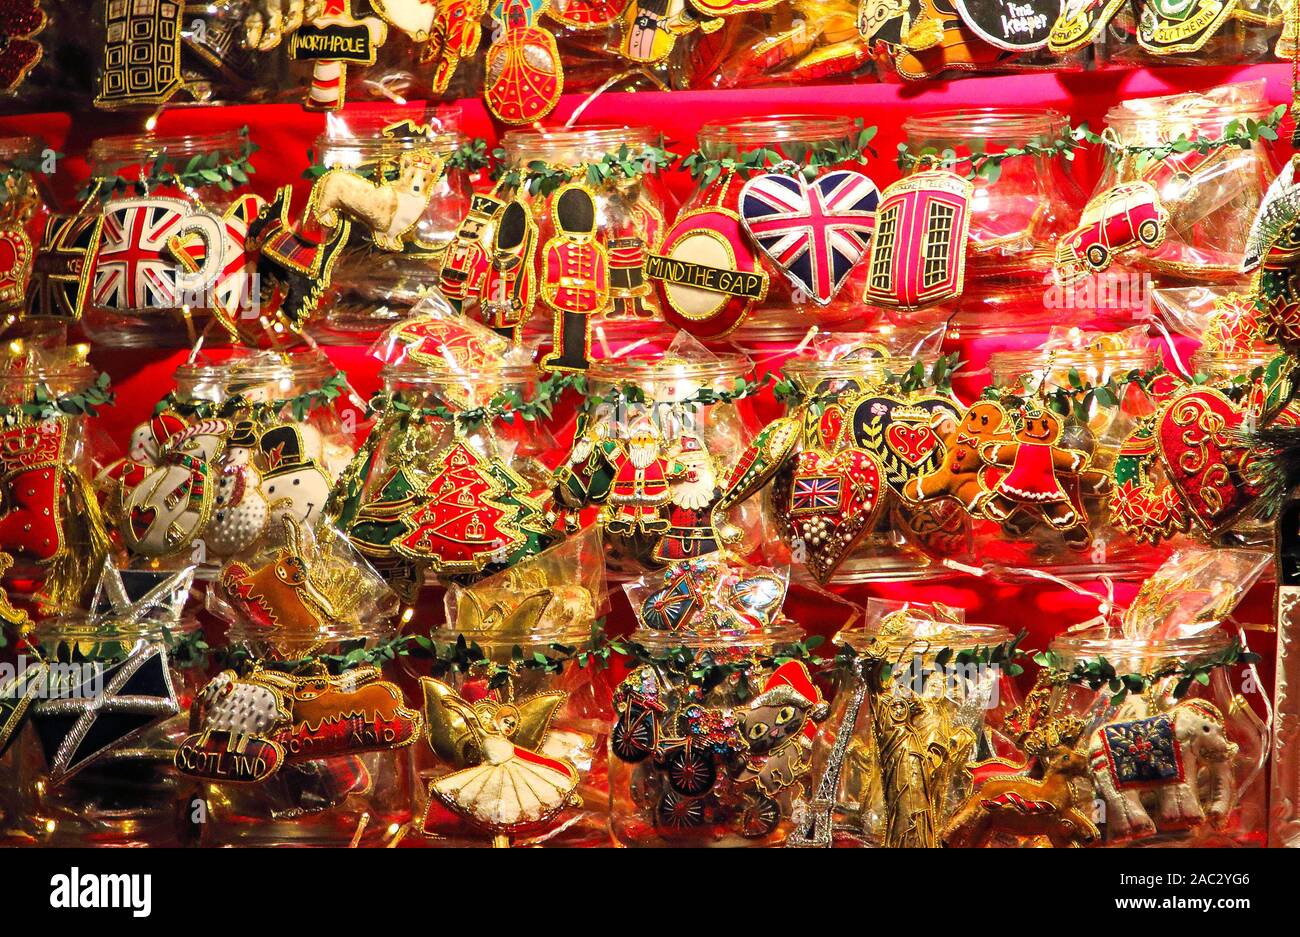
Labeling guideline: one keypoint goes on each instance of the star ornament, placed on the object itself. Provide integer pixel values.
(100, 708)
(130, 596)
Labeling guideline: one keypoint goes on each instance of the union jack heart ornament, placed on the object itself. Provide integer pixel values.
(816, 232)
(828, 504)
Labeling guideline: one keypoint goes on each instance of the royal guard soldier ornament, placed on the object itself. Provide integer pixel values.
(509, 286)
(575, 277)
(467, 258)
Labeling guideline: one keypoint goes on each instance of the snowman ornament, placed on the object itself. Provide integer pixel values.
(239, 509)
(293, 484)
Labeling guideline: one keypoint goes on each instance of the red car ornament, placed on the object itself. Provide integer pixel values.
(1119, 219)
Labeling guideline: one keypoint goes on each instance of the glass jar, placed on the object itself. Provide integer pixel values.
(689, 781)
(1016, 212)
(786, 311)
(859, 401)
(894, 760)
(1146, 35)
(1210, 198)
(409, 451)
(50, 524)
(1060, 385)
(1202, 783)
(662, 510)
(372, 287)
(246, 438)
(629, 222)
(148, 290)
(121, 788)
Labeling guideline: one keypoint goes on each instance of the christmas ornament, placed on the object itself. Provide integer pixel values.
(104, 711)
(1169, 27)
(502, 782)
(387, 210)
(15, 266)
(1126, 217)
(778, 726)
(281, 593)
(456, 33)
(239, 509)
(142, 53)
(829, 502)
(1041, 478)
(63, 266)
(508, 287)
(1183, 755)
(127, 597)
(1079, 23)
(167, 511)
(761, 460)
(957, 476)
(1055, 804)
(586, 14)
(293, 484)
(709, 276)
(693, 491)
(918, 253)
(331, 42)
(525, 76)
(466, 260)
(575, 280)
(651, 27)
(21, 21)
(447, 343)
(16, 697)
(231, 293)
(639, 487)
(713, 594)
(817, 231)
(938, 39)
(460, 522)
(294, 270)
(33, 461)
(235, 719)
(139, 266)
(1202, 465)
(1017, 27)
(900, 432)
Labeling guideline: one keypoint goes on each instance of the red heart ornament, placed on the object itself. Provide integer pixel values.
(1195, 434)
(831, 504)
(913, 443)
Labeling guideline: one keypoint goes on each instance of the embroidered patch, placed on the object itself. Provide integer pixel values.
(1143, 753)
(63, 266)
(918, 254)
(142, 53)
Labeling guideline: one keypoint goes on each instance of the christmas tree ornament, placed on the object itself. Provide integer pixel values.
(387, 210)
(460, 522)
(816, 232)
(15, 266)
(761, 460)
(575, 277)
(693, 492)
(235, 718)
(503, 783)
(938, 39)
(708, 273)
(232, 286)
(130, 597)
(436, 340)
(21, 22)
(639, 488)
(466, 262)
(94, 717)
(281, 594)
(1124, 218)
(63, 266)
(918, 252)
(778, 726)
(525, 75)
(141, 62)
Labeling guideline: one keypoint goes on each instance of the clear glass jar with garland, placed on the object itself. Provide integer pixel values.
(372, 287)
(714, 721)
(1146, 35)
(474, 424)
(1178, 754)
(330, 763)
(245, 438)
(887, 406)
(734, 151)
(1025, 197)
(1191, 164)
(170, 205)
(51, 527)
(118, 785)
(652, 449)
(527, 643)
(1079, 401)
(919, 701)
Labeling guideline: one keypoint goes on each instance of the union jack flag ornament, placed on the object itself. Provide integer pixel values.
(819, 493)
(817, 232)
(139, 265)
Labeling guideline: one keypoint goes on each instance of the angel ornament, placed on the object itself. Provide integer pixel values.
(505, 784)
